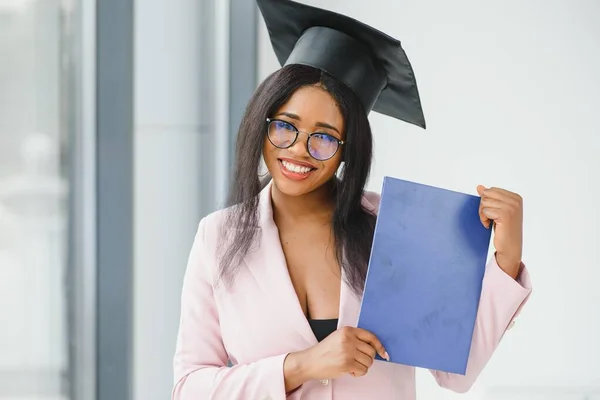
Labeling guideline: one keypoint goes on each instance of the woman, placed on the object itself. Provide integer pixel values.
(274, 281)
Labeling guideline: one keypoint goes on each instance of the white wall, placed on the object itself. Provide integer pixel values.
(510, 92)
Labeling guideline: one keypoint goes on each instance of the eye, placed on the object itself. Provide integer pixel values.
(325, 139)
(284, 125)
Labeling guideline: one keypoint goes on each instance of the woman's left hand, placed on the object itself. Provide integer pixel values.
(505, 210)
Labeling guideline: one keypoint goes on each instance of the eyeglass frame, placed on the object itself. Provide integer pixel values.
(339, 141)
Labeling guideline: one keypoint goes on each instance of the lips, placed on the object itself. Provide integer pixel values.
(299, 163)
(295, 170)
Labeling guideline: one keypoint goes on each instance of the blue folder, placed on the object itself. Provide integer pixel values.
(425, 275)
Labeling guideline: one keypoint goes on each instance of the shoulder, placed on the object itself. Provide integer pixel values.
(212, 223)
(371, 201)
(207, 242)
(212, 227)
(219, 224)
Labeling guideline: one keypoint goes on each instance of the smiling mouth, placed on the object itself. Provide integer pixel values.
(295, 171)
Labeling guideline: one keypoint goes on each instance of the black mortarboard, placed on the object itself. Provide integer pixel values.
(368, 61)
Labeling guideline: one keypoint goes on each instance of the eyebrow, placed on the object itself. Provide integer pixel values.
(319, 124)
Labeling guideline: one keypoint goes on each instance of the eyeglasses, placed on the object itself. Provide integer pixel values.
(321, 146)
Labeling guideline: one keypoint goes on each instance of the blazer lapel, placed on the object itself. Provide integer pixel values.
(266, 262)
(349, 305)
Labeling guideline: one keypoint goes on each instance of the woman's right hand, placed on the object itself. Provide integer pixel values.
(348, 350)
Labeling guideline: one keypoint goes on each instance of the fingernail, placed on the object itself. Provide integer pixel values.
(386, 356)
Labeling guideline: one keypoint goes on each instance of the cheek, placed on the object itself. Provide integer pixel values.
(330, 167)
(269, 154)
(267, 150)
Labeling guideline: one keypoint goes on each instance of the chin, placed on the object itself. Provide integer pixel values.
(293, 188)
(296, 182)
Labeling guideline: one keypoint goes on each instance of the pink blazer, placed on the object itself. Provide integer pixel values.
(259, 320)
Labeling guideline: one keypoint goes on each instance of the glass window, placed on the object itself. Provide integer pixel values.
(36, 121)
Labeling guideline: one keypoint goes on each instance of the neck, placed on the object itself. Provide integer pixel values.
(316, 205)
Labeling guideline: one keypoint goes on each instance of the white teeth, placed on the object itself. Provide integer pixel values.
(295, 168)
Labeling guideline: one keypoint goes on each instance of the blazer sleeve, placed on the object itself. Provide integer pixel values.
(502, 299)
(200, 361)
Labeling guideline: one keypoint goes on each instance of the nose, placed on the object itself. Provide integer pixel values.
(299, 148)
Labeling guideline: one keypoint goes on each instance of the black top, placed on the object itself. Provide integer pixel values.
(323, 327)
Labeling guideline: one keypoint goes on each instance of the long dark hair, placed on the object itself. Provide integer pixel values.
(353, 225)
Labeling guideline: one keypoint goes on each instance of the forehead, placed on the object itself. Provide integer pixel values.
(313, 104)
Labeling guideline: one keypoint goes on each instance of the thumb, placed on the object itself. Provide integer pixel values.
(480, 189)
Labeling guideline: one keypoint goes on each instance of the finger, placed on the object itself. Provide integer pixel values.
(363, 359)
(491, 213)
(488, 202)
(480, 190)
(373, 341)
(357, 369)
(368, 337)
(502, 194)
(484, 220)
(366, 348)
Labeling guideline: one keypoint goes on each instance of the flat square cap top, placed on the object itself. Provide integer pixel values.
(371, 63)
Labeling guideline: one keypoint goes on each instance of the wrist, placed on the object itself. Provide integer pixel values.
(510, 266)
(296, 370)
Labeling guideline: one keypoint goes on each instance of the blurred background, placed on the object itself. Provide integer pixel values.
(117, 124)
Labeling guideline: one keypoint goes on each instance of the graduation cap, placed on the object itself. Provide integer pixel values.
(368, 61)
